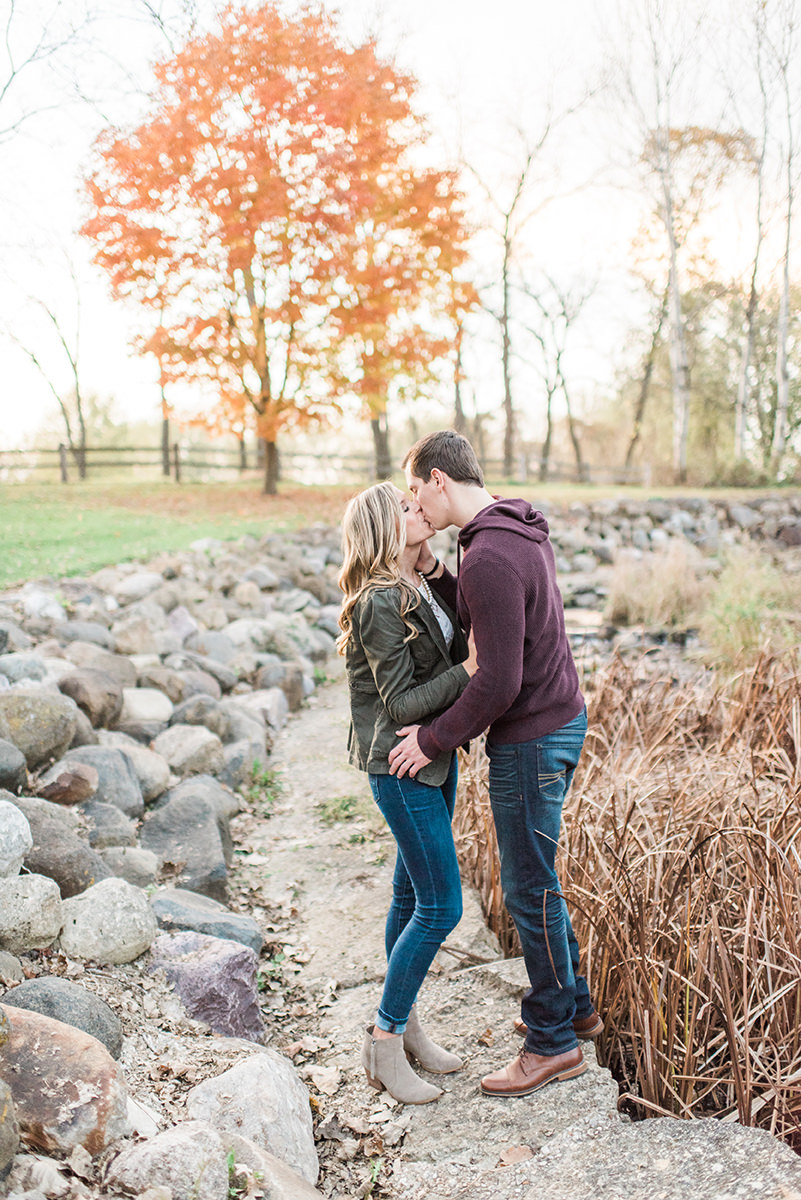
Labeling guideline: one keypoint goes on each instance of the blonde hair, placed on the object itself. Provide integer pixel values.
(373, 538)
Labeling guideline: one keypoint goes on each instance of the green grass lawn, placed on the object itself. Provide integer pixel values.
(71, 529)
(76, 528)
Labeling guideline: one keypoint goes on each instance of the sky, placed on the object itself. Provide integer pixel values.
(487, 72)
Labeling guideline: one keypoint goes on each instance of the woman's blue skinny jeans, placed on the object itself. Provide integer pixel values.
(426, 888)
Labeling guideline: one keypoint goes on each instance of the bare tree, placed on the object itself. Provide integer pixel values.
(559, 308)
(785, 49)
(645, 381)
(69, 341)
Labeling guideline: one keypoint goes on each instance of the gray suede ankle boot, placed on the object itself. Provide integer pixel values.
(430, 1056)
(387, 1067)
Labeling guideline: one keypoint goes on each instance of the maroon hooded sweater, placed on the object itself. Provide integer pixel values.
(527, 684)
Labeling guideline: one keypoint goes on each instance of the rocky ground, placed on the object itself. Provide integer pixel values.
(230, 1022)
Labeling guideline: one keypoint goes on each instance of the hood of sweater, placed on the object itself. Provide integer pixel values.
(515, 516)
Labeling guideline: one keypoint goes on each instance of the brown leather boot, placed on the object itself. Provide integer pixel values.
(387, 1066)
(528, 1072)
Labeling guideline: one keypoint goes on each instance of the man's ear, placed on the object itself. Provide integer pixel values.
(438, 477)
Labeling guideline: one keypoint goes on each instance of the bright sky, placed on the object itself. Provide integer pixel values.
(486, 70)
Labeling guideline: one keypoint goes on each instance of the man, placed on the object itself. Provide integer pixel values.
(526, 691)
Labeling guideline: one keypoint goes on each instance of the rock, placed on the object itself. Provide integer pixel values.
(108, 826)
(705, 1159)
(31, 913)
(84, 631)
(182, 623)
(19, 667)
(215, 979)
(84, 654)
(790, 534)
(10, 970)
(743, 516)
(144, 704)
(57, 852)
(40, 724)
(9, 1131)
(71, 1004)
(111, 922)
(279, 1180)
(137, 586)
(15, 838)
(190, 1160)
(118, 783)
(206, 787)
(13, 771)
(134, 634)
(66, 1087)
(97, 693)
(190, 749)
(40, 604)
(151, 769)
(246, 726)
(192, 840)
(179, 909)
(68, 784)
(139, 867)
(84, 733)
(164, 680)
(241, 760)
(202, 710)
(271, 704)
(262, 1099)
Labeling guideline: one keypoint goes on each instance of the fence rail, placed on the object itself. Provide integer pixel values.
(191, 462)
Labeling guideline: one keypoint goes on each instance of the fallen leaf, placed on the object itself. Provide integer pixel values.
(515, 1154)
(487, 1038)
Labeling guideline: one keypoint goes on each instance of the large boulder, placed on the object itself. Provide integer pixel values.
(152, 771)
(190, 750)
(73, 1005)
(215, 979)
(191, 838)
(118, 666)
(40, 723)
(178, 909)
(118, 783)
(16, 838)
(263, 1099)
(97, 693)
(67, 783)
(9, 1131)
(67, 1089)
(187, 1162)
(13, 769)
(31, 913)
(57, 851)
(110, 922)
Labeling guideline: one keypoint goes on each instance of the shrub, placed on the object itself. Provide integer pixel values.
(665, 587)
(753, 607)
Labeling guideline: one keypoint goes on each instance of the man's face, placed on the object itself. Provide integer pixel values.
(431, 498)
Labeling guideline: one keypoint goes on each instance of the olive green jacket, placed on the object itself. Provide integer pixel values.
(393, 684)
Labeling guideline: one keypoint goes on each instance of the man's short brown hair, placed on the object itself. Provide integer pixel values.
(448, 451)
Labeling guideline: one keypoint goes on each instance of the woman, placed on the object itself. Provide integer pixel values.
(402, 650)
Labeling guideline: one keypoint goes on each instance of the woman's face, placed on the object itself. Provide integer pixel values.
(418, 529)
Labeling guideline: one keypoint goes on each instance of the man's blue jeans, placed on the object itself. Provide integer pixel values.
(528, 782)
(426, 888)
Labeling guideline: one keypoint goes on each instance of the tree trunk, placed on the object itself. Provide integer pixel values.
(782, 375)
(508, 411)
(645, 384)
(165, 446)
(271, 467)
(459, 419)
(380, 430)
(545, 458)
(679, 363)
(243, 454)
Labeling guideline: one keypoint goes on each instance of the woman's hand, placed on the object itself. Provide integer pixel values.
(470, 664)
(426, 559)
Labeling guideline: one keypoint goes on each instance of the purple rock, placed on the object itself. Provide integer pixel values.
(215, 979)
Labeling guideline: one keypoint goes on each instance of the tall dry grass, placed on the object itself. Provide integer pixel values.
(681, 864)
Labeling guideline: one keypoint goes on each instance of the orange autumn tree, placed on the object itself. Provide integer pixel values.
(270, 210)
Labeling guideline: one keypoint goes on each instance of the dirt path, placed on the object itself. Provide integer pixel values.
(318, 872)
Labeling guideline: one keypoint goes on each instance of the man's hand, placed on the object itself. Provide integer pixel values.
(407, 757)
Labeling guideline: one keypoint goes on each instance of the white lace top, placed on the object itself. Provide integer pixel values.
(443, 620)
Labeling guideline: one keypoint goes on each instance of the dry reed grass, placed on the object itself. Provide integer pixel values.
(681, 864)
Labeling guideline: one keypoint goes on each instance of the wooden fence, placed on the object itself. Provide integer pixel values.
(198, 463)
